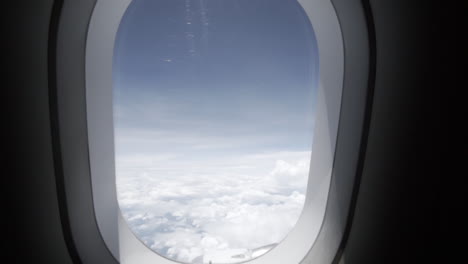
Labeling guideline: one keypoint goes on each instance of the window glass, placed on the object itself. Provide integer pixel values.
(213, 115)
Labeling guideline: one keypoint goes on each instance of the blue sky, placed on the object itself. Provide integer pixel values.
(211, 89)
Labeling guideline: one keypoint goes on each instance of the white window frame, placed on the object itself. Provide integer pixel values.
(318, 232)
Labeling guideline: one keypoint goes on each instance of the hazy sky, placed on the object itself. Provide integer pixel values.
(213, 106)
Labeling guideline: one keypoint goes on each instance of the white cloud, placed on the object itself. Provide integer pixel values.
(189, 210)
(292, 174)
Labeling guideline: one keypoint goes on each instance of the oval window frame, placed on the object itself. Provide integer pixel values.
(100, 44)
(89, 186)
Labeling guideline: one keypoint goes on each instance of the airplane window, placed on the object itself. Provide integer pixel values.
(214, 105)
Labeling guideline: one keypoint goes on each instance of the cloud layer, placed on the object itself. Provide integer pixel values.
(219, 209)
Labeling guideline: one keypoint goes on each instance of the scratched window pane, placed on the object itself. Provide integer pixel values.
(213, 114)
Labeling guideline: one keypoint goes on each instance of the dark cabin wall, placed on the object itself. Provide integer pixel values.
(34, 229)
(396, 218)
